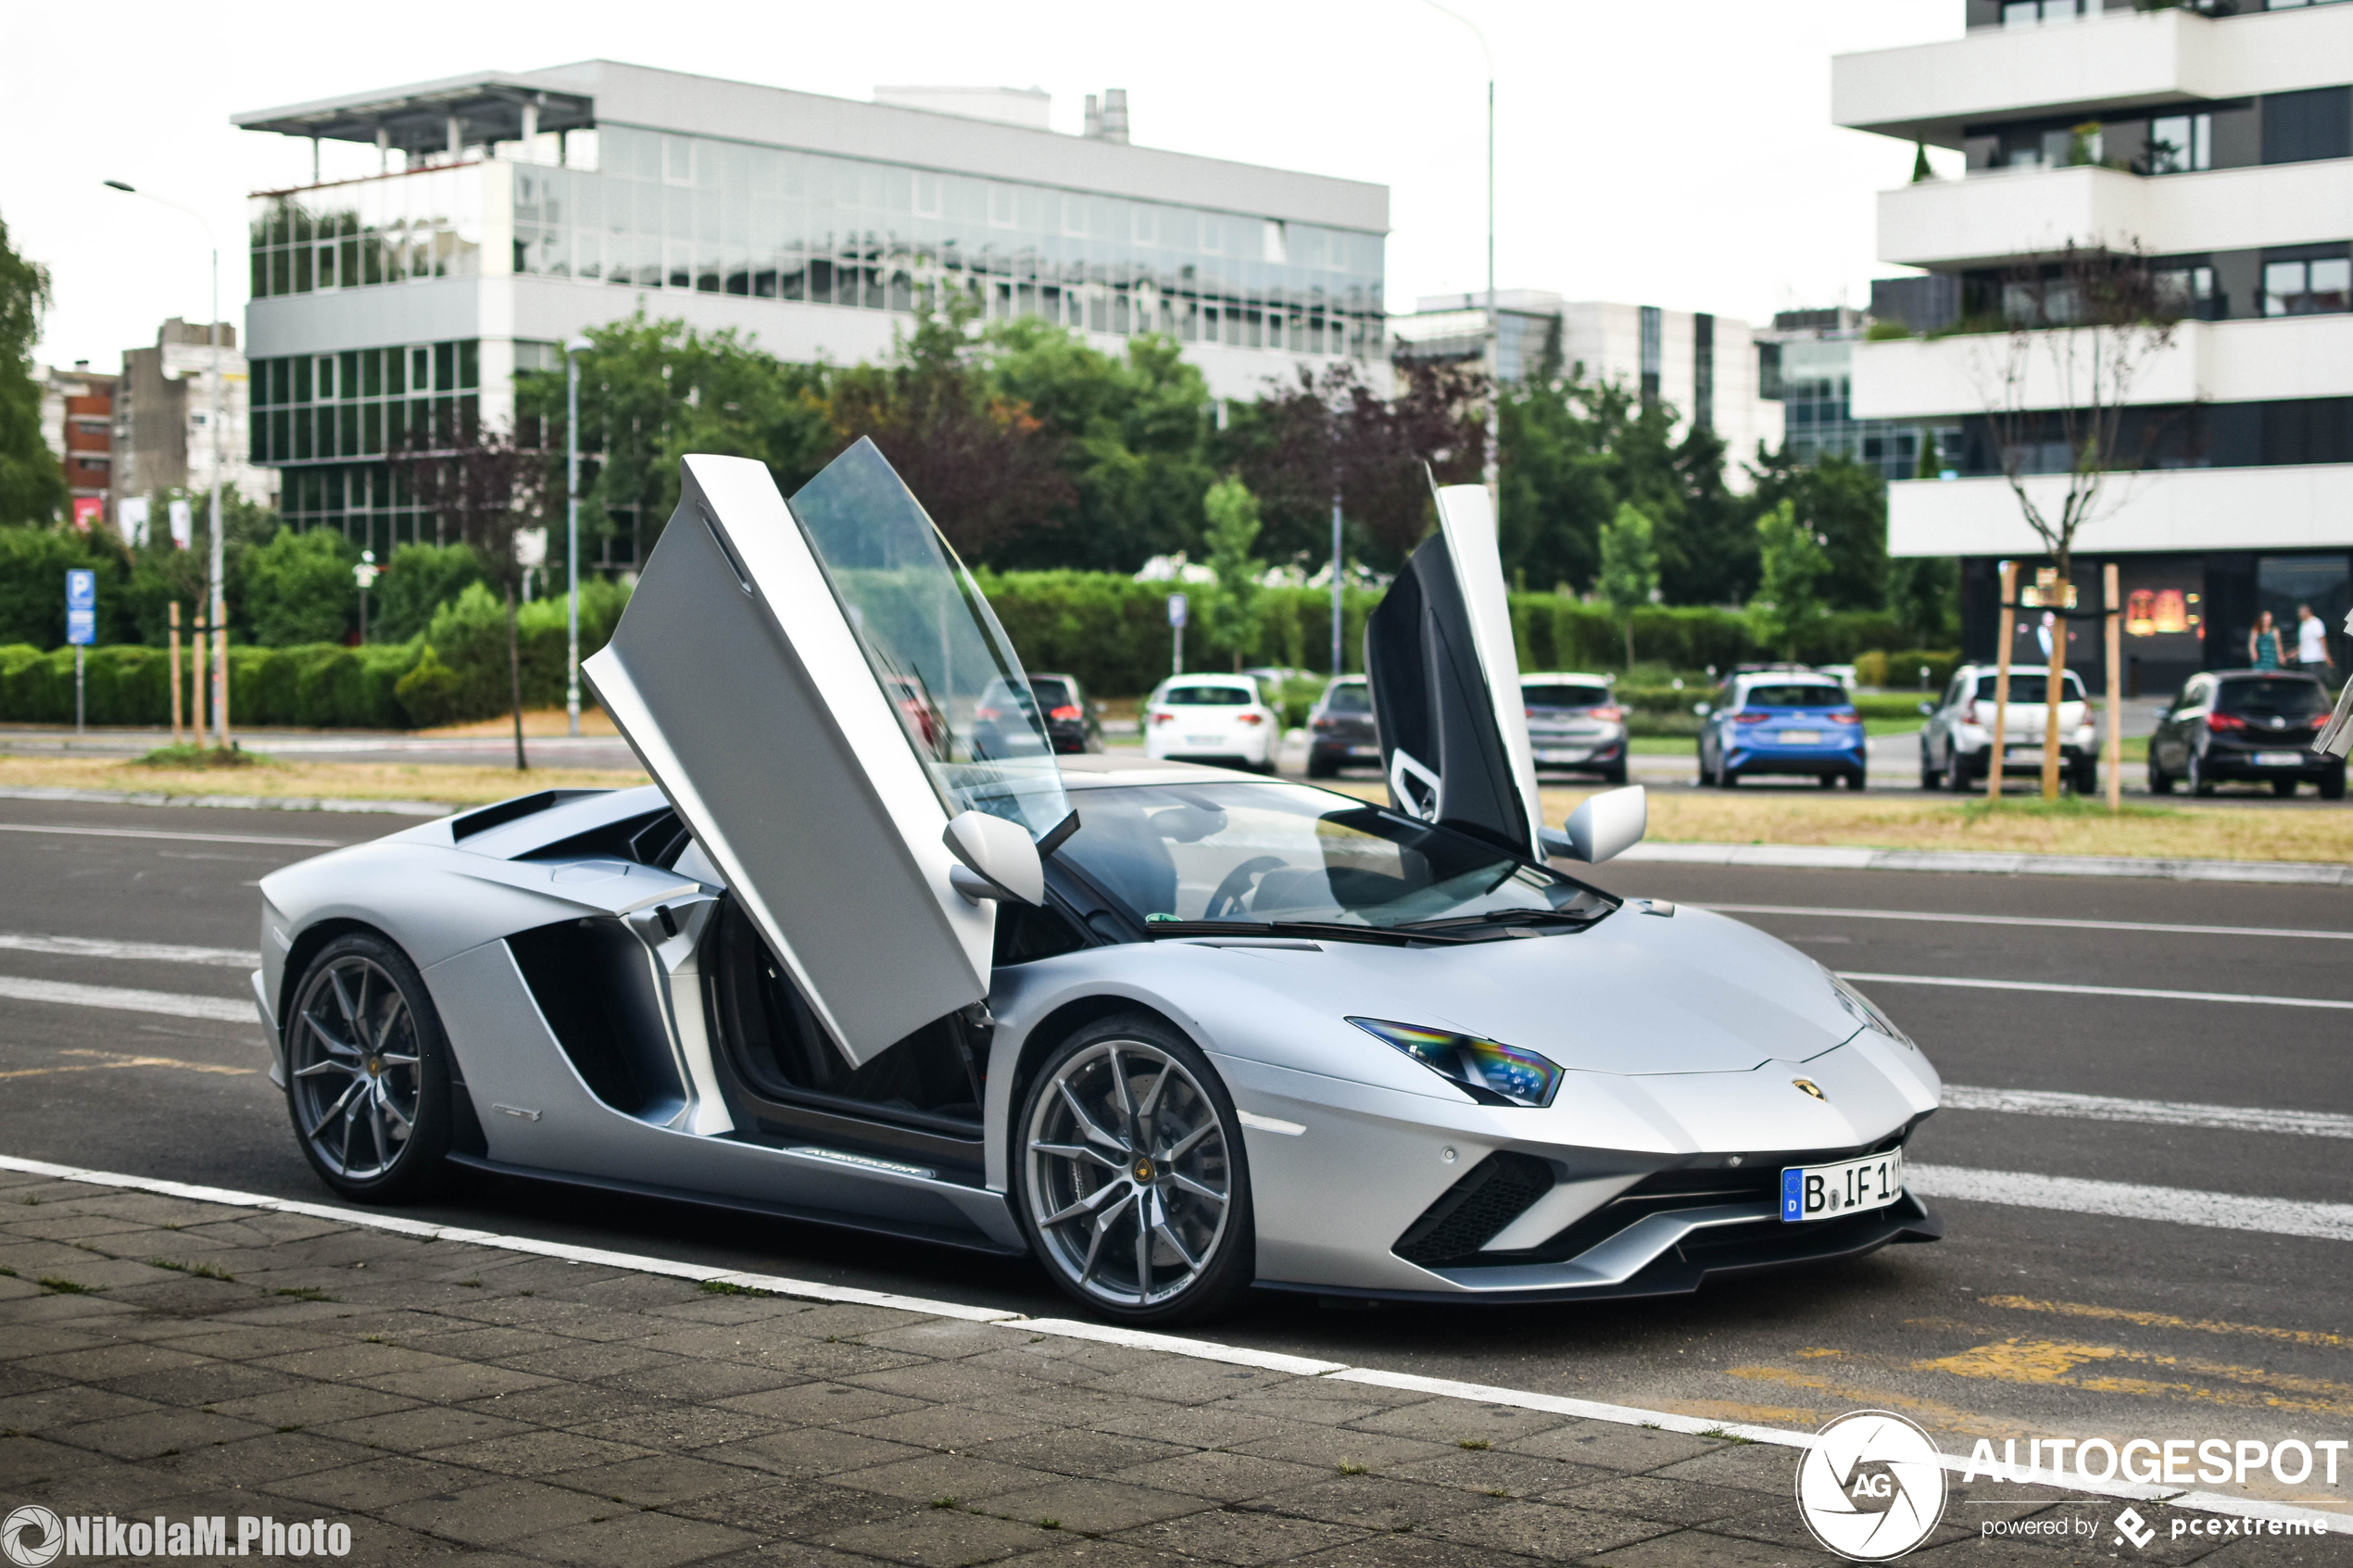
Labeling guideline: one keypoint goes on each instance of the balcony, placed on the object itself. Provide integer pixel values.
(2103, 64)
(2178, 509)
(1996, 216)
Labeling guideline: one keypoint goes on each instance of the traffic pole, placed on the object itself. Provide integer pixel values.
(77, 689)
(1996, 749)
(2115, 747)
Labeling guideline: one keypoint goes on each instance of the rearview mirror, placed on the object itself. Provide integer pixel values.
(1605, 827)
(996, 859)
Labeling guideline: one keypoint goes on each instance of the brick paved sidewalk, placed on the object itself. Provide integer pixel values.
(166, 1357)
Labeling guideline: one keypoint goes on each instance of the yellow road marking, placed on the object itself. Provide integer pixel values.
(116, 1058)
(1948, 1417)
(2166, 1320)
(2052, 1363)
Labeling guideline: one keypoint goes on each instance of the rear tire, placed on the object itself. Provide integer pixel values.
(2283, 788)
(367, 1073)
(1858, 779)
(2086, 776)
(1728, 778)
(2197, 781)
(1931, 776)
(1100, 1223)
(2332, 785)
(1827, 781)
(1317, 768)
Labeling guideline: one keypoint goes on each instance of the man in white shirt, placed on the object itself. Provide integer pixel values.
(2312, 641)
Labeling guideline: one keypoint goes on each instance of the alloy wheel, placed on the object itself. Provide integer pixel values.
(1130, 1184)
(354, 1068)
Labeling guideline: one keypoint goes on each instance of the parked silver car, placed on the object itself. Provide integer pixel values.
(1172, 1031)
(1575, 723)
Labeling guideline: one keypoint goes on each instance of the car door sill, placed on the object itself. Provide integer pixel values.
(966, 1241)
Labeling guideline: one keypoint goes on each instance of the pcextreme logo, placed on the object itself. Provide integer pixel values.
(1872, 1485)
(34, 1537)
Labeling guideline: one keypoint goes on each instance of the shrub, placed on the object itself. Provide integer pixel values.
(432, 694)
(298, 588)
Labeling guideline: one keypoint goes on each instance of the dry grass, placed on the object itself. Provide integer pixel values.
(442, 783)
(2019, 824)
(593, 720)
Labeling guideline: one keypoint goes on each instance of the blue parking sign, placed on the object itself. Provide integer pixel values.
(81, 607)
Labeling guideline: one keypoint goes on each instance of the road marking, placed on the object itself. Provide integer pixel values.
(122, 998)
(2167, 1320)
(143, 952)
(2153, 1112)
(155, 833)
(115, 1058)
(2054, 1363)
(1178, 1344)
(2097, 990)
(2175, 1206)
(2263, 931)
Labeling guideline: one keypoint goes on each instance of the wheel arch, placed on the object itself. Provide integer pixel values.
(1063, 1022)
(307, 945)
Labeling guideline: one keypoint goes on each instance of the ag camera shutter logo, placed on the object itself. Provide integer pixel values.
(32, 1536)
(1872, 1485)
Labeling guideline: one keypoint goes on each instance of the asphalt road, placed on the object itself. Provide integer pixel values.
(2025, 1321)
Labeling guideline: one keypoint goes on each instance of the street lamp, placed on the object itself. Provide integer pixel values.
(365, 574)
(219, 610)
(1495, 318)
(573, 349)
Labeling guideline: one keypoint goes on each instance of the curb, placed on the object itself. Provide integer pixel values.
(1172, 1344)
(2304, 873)
(229, 802)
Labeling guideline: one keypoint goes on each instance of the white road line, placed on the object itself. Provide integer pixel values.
(142, 952)
(122, 998)
(2261, 930)
(1171, 1344)
(154, 833)
(2172, 1206)
(2097, 990)
(2154, 1112)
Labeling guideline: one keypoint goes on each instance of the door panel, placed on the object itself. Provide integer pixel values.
(767, 689)
(1445, 684)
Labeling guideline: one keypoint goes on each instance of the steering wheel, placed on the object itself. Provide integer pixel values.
(1228, 899)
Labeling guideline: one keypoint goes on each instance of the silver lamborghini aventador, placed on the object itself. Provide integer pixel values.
(860, 958)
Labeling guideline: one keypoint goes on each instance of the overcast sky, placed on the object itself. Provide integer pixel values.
(1663, 151)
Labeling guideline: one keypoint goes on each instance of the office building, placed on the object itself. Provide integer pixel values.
(1807, 366)
(77, 421)
(2217, 139)
(163, 417)
(514, 211)
(1704, 368)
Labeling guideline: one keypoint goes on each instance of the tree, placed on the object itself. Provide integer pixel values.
(1230, 624)
(485, 490)
(1791, 565)
(1628, 577)
(1845, 503)
(298, 588)
(32, 484)
(2055, 387)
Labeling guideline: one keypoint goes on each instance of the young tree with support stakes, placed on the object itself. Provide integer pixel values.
(485, 488)
(2081, 330)
(1791, 564)
(1628, 577)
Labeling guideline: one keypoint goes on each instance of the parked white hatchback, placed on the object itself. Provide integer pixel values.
(1212, 719)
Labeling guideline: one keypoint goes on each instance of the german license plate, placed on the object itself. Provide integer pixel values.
(1363, 751)
(1204, 740)
(1824, 1192)
(1563, 753)
(2024, 754)
(2279, 759)
(1799, 737)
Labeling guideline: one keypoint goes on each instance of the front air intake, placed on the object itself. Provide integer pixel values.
(1473, 1211)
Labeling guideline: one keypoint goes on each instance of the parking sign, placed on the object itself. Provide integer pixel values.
(81, 607)
(1177, 609)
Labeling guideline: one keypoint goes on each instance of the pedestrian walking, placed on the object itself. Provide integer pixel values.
(2263, 643)
(2312, 641)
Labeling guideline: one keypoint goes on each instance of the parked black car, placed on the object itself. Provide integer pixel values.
(2253, 725)
(1072, 725)
(1340, 729)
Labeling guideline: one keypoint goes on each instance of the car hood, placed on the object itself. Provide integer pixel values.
(1636, 993)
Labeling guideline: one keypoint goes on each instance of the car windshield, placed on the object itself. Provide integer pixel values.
(1353, 698)
(1283, 853)
(1565, 696)
(2278, 697)
(1796, 695)
(1205, 696)
(2030, 688)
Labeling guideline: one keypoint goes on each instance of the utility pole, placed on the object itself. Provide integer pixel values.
(1492, 470)
(573, 351)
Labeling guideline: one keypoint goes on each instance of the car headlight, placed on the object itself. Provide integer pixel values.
(1867, 1012)
(1492, 1072)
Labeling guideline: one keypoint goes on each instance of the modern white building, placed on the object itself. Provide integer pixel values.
(2218, 138)
(1704, 368)
(515, 211)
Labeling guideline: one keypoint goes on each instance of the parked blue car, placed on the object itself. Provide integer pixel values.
(1792, 722)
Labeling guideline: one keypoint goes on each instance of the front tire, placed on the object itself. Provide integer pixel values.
(367, 1073)
(1130, 1177)
(1931, 777)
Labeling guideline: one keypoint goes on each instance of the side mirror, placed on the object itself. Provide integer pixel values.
(1927, 708)
(1603, 828)
(1702, 709)
(996, 859)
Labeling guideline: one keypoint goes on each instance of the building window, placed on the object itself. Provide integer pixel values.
(2300, 127)
(2034, 13)
(2307, 288)
(1653, 351)
(2180, 144)
(1704, 372)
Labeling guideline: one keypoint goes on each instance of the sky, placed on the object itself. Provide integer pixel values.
(1658, 152)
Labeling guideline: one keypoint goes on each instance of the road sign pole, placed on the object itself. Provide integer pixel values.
(82, 626)
(1178, 611)
(77, 688)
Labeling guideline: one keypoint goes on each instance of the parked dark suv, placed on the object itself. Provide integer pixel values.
(1340, 729)
(2254, 725)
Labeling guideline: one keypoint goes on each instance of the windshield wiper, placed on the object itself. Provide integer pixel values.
(1505, 917)
(1382, 935)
